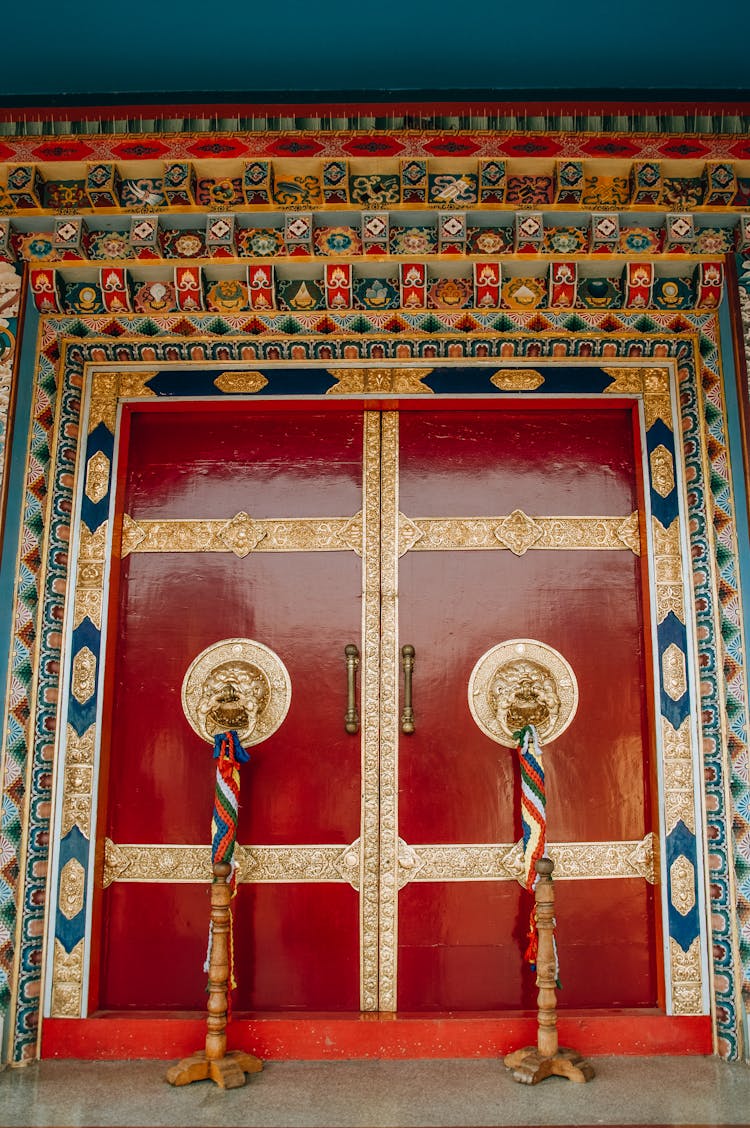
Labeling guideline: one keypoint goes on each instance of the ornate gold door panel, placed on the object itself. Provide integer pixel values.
(381, 866)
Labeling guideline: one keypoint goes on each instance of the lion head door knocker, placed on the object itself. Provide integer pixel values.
(235, 694)
(237, 684)
(519, 683)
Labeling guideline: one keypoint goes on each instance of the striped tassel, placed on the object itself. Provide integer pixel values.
(229, 754)
(533, 803)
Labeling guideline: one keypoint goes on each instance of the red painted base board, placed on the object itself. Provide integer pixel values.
(324, 1036)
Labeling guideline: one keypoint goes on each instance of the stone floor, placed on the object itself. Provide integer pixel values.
(378, 1094)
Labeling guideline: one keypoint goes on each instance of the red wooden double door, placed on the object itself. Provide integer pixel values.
(374, 865)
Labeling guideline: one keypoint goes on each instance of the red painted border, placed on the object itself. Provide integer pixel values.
(341, 1037)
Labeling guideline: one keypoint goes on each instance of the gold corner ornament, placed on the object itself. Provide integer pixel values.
(391, 381)
(522, 681)
(236, 683)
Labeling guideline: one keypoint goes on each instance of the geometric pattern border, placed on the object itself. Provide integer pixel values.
(67, 345)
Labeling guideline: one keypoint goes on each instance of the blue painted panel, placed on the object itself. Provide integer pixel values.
(69, 932)
(94, 513)
(671, 631)
(684, 929)
(80, 716)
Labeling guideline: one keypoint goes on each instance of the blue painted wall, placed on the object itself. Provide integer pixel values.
(338, 45)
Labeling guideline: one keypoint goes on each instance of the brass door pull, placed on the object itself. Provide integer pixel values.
(407, 661)
(351, 717)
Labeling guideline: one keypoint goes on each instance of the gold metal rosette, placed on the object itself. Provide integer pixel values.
(249, 674)
(522, 681)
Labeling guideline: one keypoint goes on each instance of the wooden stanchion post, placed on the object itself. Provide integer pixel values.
(226, 1069)
(546, 1059)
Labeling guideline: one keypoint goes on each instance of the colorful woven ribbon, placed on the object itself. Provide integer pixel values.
(533, 802)
(229, 754)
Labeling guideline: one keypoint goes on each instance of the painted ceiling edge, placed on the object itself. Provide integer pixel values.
(721, 104)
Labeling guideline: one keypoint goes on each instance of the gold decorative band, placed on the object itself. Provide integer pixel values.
(254, 863)
(243, 534)
(515, 531)
(473, 862)
(518, 532)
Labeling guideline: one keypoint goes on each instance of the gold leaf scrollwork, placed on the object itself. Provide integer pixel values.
(78, 780)
(72, 888)
(686, 977)
(518, 532)
(679, 791)
(83, 681)
(668, 570)
(674, 672)
(67, 981)
(629, 532)
(662, 470)
(241, 535)
(97, 477)
(245, 383)
(133, 535)
(651, 383)
(394, 381)
(682, 884)
(107, 388)
(517, 380)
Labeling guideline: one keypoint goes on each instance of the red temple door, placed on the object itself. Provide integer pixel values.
(371, 863)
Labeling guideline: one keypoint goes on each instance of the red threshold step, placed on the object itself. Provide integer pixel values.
(110, 1035)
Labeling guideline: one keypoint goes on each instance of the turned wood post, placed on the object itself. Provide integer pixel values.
(218, 966)
(546, 963)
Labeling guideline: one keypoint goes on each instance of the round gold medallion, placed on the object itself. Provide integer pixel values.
(521, 682)
(236, 684)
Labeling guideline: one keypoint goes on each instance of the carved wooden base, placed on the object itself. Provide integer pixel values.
(228, 1072)
(529, 1066)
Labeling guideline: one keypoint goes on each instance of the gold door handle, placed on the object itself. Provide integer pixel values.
(351, 717)
(407, 661)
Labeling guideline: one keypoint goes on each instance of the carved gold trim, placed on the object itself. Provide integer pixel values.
(243, 534)
(518, 532)
(517, 380)
(97, 476)
(499, 861)
(389, 716)
(83, 681)
(679, 800)
(668, 570)
(650, 383)
(392, 381)
(682, 884)
(89, 590)
(259, 864)
(492, 861)
(72, 888)
(67, 992)
(78, 780)
(108, 388)
(245, 383)
(662, 470)
(370, 709)
(687, 977)
(674, 672)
